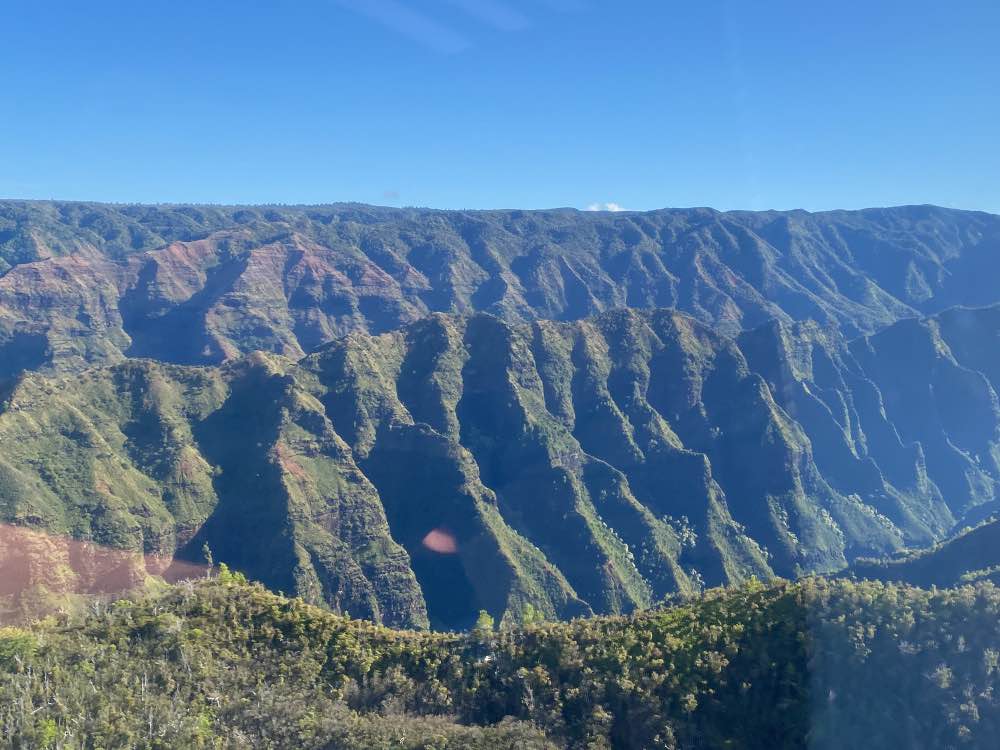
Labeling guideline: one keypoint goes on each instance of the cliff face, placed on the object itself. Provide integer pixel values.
(89, 283)
(464, 463)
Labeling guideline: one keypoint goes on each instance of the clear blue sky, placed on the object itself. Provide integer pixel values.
(503, 103)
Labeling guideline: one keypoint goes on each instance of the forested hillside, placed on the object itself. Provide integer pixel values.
(814, 664)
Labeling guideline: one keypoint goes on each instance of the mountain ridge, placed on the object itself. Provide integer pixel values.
(88, 283)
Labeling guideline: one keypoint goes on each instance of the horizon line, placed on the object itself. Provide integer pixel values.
(574, 209)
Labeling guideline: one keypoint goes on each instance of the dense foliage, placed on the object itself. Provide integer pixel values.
(226, 664)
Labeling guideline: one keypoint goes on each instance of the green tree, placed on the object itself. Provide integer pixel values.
(484, 624)
(206, 553)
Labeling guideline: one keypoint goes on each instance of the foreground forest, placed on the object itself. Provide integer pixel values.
(223, 663)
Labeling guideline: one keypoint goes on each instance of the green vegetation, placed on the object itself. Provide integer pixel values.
(222, 663)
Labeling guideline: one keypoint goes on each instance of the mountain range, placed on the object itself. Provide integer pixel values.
(414, 415)
(87, 284)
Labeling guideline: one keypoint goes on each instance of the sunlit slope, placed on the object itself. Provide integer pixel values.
(148, 456)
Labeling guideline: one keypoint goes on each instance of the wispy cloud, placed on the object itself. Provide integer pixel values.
(566, 6)
(613, 207)
(495, 13)
(410, 23)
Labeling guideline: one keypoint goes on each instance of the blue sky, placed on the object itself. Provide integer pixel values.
(503, 103)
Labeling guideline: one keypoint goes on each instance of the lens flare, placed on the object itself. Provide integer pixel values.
(440, 541)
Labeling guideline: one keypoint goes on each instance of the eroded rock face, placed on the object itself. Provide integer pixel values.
(89, 283)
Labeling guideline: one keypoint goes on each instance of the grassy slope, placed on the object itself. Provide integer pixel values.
(161, 459)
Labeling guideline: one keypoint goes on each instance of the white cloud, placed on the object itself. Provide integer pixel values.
(493, 12)
(614, 207)
(412, 23)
